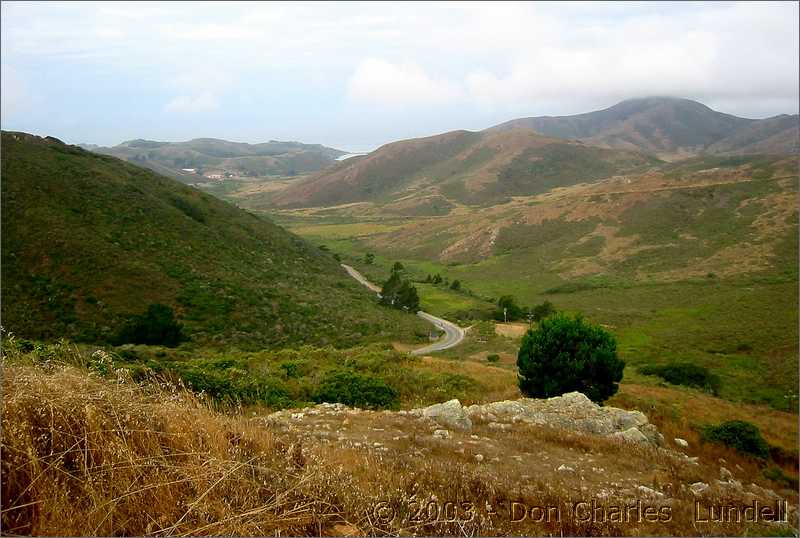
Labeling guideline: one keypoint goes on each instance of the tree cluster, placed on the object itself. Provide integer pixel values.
(398, 292)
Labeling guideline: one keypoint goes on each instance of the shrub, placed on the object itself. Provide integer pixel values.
(354, 389)
(569, 354)
(685, 373)
(456, 285)
(507, 310)
(493, 357)
(776, 474)
(541, 311)
(740, 435)
(157, 326)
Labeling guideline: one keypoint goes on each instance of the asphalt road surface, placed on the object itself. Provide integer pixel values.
(453, 334)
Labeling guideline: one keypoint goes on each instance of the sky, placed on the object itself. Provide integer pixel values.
(355, 76)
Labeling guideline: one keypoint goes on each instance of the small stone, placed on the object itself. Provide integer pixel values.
(725, 474)
(698, 488)
(442, 434)
(479, 457)
(649, 491)
(681, 442)
(565, 469)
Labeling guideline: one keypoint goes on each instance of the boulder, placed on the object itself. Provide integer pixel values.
(631, 435)
(450, 414)
(681, 442)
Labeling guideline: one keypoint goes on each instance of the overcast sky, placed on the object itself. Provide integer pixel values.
(355, 76)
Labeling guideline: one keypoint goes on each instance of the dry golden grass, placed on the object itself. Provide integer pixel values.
(84, 456)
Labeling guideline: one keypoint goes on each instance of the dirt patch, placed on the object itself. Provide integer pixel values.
(511, 330)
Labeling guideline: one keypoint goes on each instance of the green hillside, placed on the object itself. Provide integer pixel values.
(211, 156)
(428, 175)
(89, 240)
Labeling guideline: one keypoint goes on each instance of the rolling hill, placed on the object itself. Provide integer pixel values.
(670, 128)
(430, 175)
(213, 157)
(89, 240)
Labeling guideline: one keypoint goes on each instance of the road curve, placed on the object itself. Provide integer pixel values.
(453, 334)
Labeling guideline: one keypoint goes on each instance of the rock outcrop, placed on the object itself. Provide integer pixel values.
(572, 411)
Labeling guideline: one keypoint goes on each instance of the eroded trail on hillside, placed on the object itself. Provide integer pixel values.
(453, 334)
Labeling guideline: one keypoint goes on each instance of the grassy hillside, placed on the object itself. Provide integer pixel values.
(213, 156)
(695, 260)
(668, 127)
(89, 240)
(430, 176)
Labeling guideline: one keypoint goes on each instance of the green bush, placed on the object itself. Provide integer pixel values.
(740, 435)
(493, 357)
(684, 373)
(507, 309)
(155, 327)
(541, 311)
(357, 390)
(776, 474)
(567, 354)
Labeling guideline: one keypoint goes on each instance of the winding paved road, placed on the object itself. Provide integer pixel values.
(453, 334)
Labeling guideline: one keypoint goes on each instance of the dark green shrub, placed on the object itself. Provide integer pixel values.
(685, 373)
(567, 354)
(456, 285)
(493, 357)
(740, 435)
(776, 474)
(507, 309)
(155, 327)
(354, 389)
(541, 311)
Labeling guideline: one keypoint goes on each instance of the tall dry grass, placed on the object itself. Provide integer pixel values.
(85, 456)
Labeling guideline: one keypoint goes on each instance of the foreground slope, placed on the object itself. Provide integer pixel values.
(194, 160)
(150, 462)
(89, 240)
(430, 175)
(669, 127)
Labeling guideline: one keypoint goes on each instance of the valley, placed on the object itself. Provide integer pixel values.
(251, 304)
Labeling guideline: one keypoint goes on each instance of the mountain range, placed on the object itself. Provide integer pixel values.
(669, 128)
(532, 155)
(206, 159)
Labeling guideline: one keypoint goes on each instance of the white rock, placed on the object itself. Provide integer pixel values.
(450, 414)
(442, 434)
(478, 457)
(681, 442)
(499, 426)
(565, 469)
(698, 488)
(631, 435)
(649, 492)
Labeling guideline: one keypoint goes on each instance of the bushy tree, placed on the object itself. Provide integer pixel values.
(437, 278)
(398, 267)
(456, 285)
(507, 309)
(399, 293)
(369, 257)
(541, 311)
(157, 326)
(566, 354)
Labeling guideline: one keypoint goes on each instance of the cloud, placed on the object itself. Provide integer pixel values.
(380, 82)
(203, 102)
